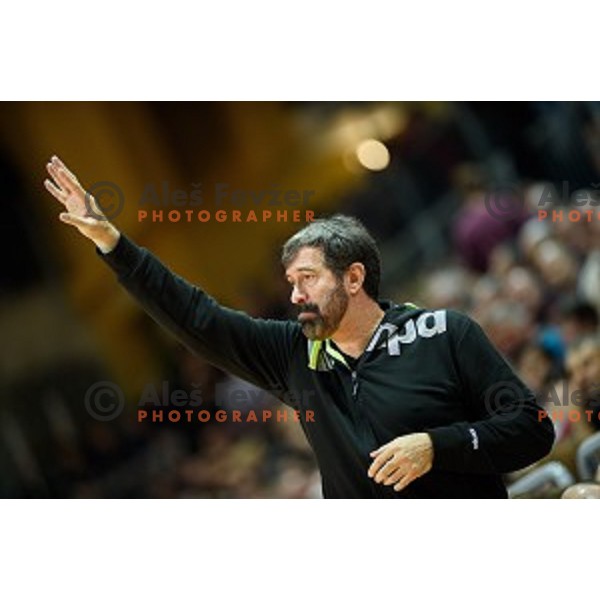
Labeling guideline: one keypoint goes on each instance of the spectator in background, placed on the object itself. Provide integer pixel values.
(448, 288)
(560, 402)
(520, 285)
(532, 234)
(536, 366)
(502, 259)
(575, 234)
(588, 282)
(556, 265)
(577, 319)
(583, 363)
(486, 219)
(508, 324)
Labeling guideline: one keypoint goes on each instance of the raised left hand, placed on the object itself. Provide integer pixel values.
(402, 460)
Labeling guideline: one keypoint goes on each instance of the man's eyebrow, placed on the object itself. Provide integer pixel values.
(302, 269)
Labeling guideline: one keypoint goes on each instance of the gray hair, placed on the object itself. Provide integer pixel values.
(344, 240)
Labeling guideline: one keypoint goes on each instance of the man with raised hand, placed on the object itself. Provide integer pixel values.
(407, 403)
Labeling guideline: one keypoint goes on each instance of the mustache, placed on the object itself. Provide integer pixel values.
(313, 308)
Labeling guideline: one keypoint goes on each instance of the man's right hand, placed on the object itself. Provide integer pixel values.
(83, 211)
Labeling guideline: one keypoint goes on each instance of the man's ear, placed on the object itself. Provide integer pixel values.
(355, 277)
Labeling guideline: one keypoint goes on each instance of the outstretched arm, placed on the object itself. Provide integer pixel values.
(256, 350)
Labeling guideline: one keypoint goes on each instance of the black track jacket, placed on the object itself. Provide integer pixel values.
(432, 371)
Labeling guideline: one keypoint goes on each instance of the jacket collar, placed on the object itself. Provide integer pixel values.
(323, 355)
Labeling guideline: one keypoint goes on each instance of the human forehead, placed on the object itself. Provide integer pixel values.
(307, 258)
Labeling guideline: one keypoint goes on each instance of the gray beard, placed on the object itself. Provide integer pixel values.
(313, 329)
(323, 326)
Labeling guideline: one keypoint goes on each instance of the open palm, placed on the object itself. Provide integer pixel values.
(83, 211)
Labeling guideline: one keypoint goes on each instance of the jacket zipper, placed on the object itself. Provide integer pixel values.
(379, 493)
(354, 379)
(354, 385)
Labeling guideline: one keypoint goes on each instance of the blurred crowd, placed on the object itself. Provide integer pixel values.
(533, 284)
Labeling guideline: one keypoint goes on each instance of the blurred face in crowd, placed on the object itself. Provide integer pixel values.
(583, 364)
(555, 264)
(502, 260)
(521, 286)
(507, 324)
(534, 367)
(571, 329)
(320, 297)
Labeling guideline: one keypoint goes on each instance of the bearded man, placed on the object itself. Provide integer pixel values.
(407, 402)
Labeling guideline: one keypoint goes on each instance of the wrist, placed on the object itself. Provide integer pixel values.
(108, 240)
(428, 443)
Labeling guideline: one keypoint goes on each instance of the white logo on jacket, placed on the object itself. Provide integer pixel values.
(427, 325)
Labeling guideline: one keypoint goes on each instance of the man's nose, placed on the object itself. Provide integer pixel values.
(298, 297)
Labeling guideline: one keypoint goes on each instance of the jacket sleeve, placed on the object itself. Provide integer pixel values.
(256, 350)
(507, 430)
